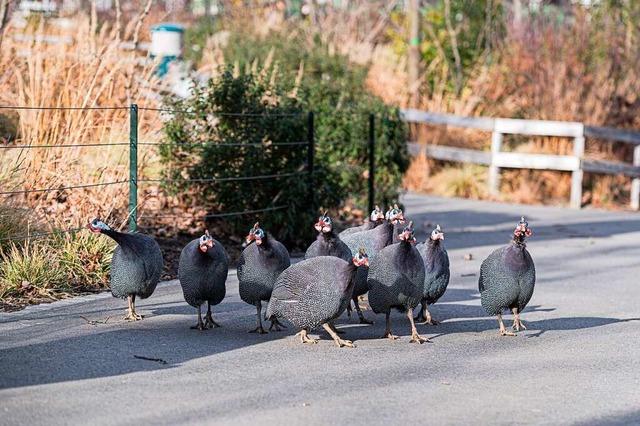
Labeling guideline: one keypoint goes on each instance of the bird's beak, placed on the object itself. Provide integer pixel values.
(318, 226)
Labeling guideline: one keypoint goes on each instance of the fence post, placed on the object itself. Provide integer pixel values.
(635, 183)
(310, 149)
(133, 168)
(494, 171)
(372, 144)
(576, 175)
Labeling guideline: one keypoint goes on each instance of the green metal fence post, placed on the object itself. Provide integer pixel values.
(310, 152)
(133, 168)
(372, 142)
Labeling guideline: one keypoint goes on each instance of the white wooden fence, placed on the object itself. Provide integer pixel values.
(497, 159)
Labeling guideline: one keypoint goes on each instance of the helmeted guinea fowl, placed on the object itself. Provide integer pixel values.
(436, 272)
(396, 280)
(507, 279)
(260, 264)
(202, 271)
(328, 243)
(136, 265)
(376, 218)
(377, 238)
(315, 291)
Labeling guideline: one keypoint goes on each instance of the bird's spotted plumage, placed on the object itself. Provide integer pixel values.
(202, 271)
(136, 266)
(507, 277)
(258, 268)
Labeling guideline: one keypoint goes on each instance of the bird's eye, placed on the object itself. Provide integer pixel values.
(327, 220)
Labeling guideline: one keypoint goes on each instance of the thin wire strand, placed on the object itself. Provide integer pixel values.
(64, 108)
(29, 236)
(257, 145)
(62, 146)
(223, 114)
(28, 191)
(231, 179)
(215, 215)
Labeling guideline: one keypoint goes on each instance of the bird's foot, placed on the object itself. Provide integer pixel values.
(504, 332)
(416, 338)
(132, 316)
(517, 325)
(199, 326)
(390, 336)
(209, 322)
(259, 330)
(276, 324)
(342, 342)
(304, 338)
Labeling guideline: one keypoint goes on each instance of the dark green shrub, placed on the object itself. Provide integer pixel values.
(247, 112)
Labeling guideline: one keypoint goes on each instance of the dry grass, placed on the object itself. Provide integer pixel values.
(93, 72)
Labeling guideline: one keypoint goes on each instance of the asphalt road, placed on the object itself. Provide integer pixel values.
(578, 362)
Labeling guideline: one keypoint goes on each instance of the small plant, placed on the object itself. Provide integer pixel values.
(469, 181)
(84, 259)
(31, 270)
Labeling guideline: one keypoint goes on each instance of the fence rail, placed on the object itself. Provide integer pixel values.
(497, 159)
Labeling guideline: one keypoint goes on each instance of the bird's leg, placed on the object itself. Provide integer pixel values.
(503, 331)
(131, 315)
(306, 339)
(429, 318)
(387, 330)
(340, 342)
(333, 327)
(200, 325)
(276, 324)
(259, 328)
(415, 337)
(349, 309)
(208, 319)
(363, 320)
(517, 324)
(421, 318)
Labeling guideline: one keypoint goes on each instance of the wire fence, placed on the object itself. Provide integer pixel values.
(134, 181)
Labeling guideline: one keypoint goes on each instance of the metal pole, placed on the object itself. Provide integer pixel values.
(372, 142)
(133, 168)
(310, 149)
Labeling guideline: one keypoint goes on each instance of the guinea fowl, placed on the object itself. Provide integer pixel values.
(376, 218)
(436, 271)
(136, 265)
(259, 266)
(396, 280)
(377, 238)
(328, 242)
(507, 279)
(202, 272)
(315, 291)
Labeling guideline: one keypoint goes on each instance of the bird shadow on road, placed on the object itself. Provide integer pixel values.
(119, 348)
(534, 328)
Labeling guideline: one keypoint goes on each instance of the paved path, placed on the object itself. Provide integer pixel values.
(578, 363)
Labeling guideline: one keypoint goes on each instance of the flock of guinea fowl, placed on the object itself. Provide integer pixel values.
(380, 258)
